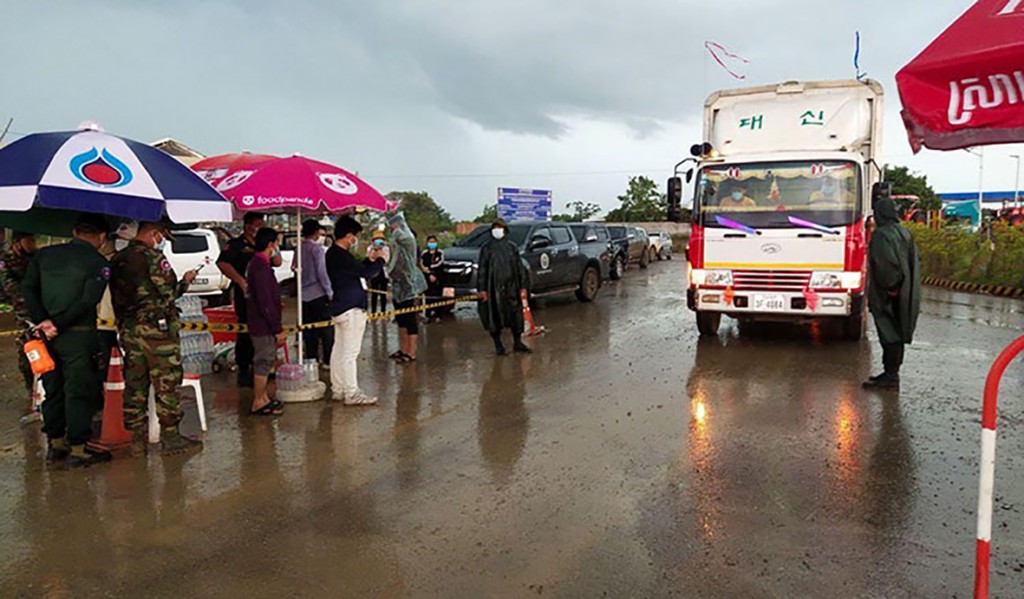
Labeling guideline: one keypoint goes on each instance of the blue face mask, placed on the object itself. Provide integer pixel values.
(378, 242)
(432, 245)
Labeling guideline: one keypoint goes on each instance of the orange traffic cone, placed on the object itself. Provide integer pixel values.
(532, 330)
(113, 434)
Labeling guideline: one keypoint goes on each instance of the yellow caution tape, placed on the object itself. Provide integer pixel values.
(231, 327)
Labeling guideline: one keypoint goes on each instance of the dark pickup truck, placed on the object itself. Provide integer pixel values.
(630, 247)
(551, 255)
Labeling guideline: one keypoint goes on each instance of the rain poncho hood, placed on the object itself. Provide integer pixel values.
(407, 281)
(893, 268)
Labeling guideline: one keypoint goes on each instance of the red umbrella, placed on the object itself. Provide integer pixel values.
(216, 167)
(967, 87)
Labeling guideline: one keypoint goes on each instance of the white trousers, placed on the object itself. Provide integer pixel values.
(348, 341)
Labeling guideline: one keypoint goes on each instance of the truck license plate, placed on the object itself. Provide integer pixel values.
(769, 303)
(201, 281)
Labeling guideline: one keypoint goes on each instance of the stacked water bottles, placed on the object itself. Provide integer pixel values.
(196, 346)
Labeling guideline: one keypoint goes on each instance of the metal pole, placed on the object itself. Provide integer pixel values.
(1016, 183)
(298, 279)
(981, 184)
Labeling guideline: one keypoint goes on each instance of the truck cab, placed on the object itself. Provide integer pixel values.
(781, 192)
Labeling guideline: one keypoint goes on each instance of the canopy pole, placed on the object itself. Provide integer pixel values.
(298, 274)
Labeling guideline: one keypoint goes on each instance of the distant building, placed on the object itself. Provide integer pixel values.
(990, 200)
(183, 153)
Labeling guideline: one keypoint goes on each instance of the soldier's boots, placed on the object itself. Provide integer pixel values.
(57, 450)
(81, 457)
(139, 442)
(173, 442)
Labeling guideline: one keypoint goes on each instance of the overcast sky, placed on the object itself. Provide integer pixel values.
(454, 97)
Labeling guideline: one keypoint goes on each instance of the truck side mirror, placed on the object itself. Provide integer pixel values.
(539, 242)
(675, 198)
(689, 176)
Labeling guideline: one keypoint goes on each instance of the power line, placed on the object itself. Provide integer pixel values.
(498, 175)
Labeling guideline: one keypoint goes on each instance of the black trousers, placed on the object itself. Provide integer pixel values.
(378, 301)
(892, 357)
(319, 340)
(73, 388)
(244, 351)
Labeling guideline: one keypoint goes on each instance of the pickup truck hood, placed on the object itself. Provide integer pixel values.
(462, 254)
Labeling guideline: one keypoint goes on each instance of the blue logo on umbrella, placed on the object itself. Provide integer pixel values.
(100, 170)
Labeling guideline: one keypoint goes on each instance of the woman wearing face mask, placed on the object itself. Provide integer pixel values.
(380, 254)
(502, 283)
(431, 260)
(407, 284)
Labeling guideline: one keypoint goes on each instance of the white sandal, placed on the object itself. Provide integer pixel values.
(360, 399)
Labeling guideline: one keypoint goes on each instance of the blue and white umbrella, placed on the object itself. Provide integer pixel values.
(92, 171)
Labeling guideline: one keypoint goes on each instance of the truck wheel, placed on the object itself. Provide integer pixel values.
(658, 255)
(618, 267)
(644, 258)
(854, 326)
(708, 323)
(589, 285)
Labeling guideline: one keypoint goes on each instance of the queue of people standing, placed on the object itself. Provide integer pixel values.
(58, 292)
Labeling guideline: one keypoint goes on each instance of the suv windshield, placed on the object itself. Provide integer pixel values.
(480, 235)
(617, 232)
(766, 194)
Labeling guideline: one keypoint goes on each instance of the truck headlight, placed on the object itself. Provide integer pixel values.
(825, 280)
(718, 278)
(852, 280)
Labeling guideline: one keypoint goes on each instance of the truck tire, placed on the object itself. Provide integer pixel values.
(855, 326)
(618, 267)
(644, 259)
(589, 285)
(708, 323)
(659, 255)
(655, 255)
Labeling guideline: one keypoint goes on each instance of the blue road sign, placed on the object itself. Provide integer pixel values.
(524, 204)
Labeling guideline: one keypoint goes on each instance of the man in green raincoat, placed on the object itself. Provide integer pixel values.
(501, 280)
(894, 290)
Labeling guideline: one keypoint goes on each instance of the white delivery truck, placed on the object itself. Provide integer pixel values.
(783, 187)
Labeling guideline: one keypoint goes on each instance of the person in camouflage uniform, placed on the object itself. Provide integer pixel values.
(143, 289)
(13, 265)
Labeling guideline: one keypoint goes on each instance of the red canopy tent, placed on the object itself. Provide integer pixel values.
(967, 87)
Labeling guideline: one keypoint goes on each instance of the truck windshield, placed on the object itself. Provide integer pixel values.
(481, 235)
(764, 195)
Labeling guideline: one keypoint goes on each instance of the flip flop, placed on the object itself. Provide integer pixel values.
(268, 410)
(397, 355)
(405, 359)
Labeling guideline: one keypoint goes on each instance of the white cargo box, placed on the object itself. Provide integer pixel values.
(796, 117)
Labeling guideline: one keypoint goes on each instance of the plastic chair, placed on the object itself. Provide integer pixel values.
(190, 380)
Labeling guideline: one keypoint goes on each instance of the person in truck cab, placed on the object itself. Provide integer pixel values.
(734, 197)
(831, 193)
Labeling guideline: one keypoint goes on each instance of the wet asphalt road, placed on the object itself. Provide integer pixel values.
(623, 459)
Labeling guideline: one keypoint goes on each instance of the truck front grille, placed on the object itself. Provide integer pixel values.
(770, 280)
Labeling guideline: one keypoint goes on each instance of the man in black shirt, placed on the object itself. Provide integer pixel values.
(232, 262)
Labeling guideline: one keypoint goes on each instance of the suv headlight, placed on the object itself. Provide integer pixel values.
(826, 280)
(718, 278)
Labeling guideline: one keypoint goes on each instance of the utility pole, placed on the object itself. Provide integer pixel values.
(6, 129)
(1016, 182)
(980, 153)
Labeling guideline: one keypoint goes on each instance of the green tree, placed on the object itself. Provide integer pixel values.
(489, 215)
(422, 213)
(580, 211)
(642, 202)
(906, 182)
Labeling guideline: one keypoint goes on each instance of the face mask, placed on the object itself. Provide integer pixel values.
(161, 245)
(378, 242)
(737, 195)
(498, 233)
(432, 245)
(355, 243)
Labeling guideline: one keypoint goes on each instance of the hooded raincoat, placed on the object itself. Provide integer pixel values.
(502, 276)
(893, 267)
(407, 280)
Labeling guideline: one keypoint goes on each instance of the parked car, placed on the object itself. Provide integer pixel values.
(551, 255)
(661, 245)
(199, 247)
(631, 247)
(595, 243)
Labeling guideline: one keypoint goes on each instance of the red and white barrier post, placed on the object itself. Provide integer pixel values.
(986, 483)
